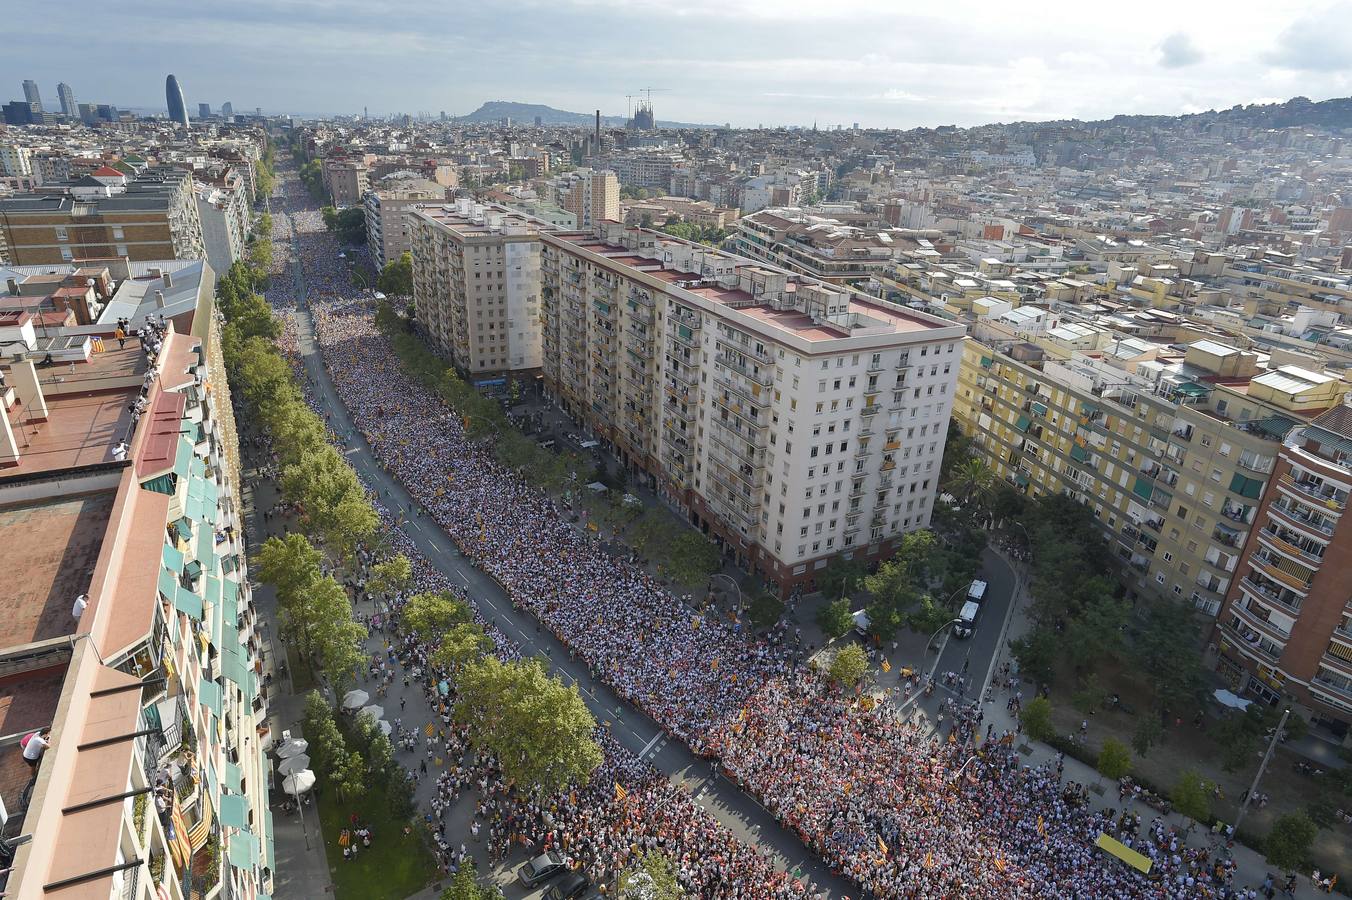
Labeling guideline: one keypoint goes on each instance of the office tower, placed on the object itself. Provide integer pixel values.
(204, 110)
(227, 110)
(173, 95)
(1286, 628)
(69, 109)
(31, 94)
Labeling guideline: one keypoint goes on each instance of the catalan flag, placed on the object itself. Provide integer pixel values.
(1000, 863)
(97, 344)
(620, 793)
(882, 846)
(887, 666)
(929, 860)
(1041, 827)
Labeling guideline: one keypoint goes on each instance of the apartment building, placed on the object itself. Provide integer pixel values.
(592, 196)
(387, 207)
(1286, 628)
(818, 246)
(347, 180)
(223, 213)
(16, 160)
(119, 486)
(105, 214)
(476, 285)
(791, 419)
(1172, 453)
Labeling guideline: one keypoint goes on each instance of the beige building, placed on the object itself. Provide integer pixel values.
(792, 420)
(476, 285)
(387, 207)
(592, 196)
(1172, 456)
(346, 179)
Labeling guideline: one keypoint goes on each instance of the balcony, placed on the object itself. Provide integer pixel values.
(762, 378)
(1251, 642)
(1269, 566)
(1225, 536)
(1325, 499)
(1253, 616)
(1270, 538)
(1301, 519)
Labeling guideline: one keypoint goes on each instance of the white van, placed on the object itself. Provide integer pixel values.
(861, 622)
(967, 617)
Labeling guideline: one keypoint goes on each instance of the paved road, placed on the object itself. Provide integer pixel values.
(740, 813)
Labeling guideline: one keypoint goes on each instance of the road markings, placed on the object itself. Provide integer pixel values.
(648, 746)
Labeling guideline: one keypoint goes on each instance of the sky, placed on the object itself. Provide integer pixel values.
(746, 62)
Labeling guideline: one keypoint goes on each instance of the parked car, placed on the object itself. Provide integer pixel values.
(570, 887)
(541, 869)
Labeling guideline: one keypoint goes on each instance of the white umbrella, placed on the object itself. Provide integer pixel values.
(1227, 698)
(375, 712)
(298, 783)
(293, 764)
(292, 747)
(355, 699)
(385, 727)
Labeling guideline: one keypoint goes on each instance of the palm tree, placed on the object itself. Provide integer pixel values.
(972, 482)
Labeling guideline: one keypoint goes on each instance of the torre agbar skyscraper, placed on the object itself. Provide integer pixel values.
(173, 95)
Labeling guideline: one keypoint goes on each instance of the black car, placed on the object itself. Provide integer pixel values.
(571, 886)
(541, 869)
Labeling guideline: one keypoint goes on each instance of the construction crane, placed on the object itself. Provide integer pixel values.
(629, 107)
(650, 91)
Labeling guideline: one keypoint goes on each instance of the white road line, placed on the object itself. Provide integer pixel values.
(648, 746)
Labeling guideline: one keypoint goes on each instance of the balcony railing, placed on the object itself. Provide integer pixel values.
(1327, 499)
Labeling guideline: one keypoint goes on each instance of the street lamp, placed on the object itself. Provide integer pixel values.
(948, 624)
(732, 581)
(1262, 767)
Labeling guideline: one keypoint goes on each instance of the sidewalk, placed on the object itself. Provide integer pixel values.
(1251, 866)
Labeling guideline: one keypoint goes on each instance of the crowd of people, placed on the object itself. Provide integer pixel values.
(896, 809)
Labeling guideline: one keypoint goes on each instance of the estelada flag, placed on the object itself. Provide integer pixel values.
(887, 666)
(620, 793)
(1000, 863)
(929, 860)
(881, 845)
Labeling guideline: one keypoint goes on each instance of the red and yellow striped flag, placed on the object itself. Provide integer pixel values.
(882, 846)
(620, 793)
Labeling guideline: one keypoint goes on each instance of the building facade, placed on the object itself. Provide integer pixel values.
(347, 181)
(387, 208)
(791, 420)
(153, 216)
(155, 784)
(1286, 628)
(592, 196)
(476, 286)
(1172, 464)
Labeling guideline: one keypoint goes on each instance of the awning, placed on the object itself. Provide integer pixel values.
(243, 849)
(185, 601)
(1022, 424)
(173, 558)
(1039, 408)
(986, 362)
(168, 584)
(1275, 427)
(235, 810)
(1078, 453)
(233, 777)
(232, 664)
(1142, 488)
(182, 457)
(209, 693)
(1192, 389)
(160, 484)
(1021, 479)
(1124, 853)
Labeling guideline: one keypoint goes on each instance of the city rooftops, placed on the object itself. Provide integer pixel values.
(473, 220)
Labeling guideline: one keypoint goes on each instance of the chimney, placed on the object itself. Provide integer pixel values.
(598, 131)
(159, 299)
(13, 285)
(168, 280)
(23, 377)
(156, 272)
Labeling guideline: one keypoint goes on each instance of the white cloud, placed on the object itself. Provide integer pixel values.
(1177, 51)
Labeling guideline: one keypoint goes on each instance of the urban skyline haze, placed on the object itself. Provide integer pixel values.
(745, 62)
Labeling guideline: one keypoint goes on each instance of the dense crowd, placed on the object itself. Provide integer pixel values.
(593, 827)
(896, 811)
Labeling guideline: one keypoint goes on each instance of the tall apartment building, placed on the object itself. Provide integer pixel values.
(1172, 456)
(387, 207)
(153, 216)
(791, 419)
(16, 160)
(1286, 628)
(476, 285)
(32, 95)
(69, 109)
(150, 690)
(346, 179)
(222, 236)
(592, 196)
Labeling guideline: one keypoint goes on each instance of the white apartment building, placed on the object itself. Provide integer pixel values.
(791, 419)
(221, 211)
(476, 285)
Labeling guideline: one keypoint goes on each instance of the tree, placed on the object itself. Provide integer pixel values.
(835, 618)
(849, 666)
(349, 777)
(460, 645)
(429, 615)
(465, 886)
(290, 565)
(540, 730)
(350, 225)
(692, 558)
(1037, 719)
(972, 482)
(327, 749)
(1090, 696)
(1191, 796)
(1037, 653)
(1288, 843)
(841, 577)
(1167, 649)
(1096, 634)
(1114, 760)
(1148, 733)
(396, 279)
(390, 576)
(330, 632)
(765, 610)
(653, 877)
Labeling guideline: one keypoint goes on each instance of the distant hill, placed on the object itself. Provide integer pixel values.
(1296, 112)
(525, 113)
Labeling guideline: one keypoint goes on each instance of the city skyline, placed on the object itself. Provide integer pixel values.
(744, 62)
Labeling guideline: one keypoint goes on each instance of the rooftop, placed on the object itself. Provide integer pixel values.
(50, 551)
